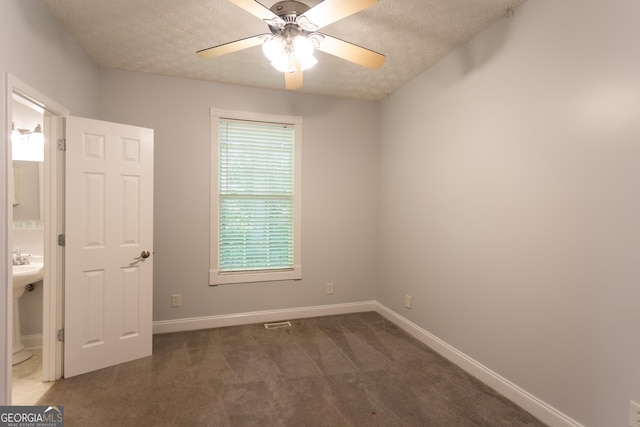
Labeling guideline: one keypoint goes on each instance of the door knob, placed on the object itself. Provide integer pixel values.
(144, 255)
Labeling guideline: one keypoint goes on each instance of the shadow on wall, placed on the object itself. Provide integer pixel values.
(32, 17)
(484, 48)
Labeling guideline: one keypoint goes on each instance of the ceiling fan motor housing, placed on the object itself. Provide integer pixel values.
(289, 10)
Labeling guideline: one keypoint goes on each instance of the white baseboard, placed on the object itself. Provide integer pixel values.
(522, 398)
(190, 324)
(32, 341)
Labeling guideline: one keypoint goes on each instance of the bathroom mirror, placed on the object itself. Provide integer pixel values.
(27, 185)
(27, 142)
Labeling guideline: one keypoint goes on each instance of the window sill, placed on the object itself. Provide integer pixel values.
(217, 278)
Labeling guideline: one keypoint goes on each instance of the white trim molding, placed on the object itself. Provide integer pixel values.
(218, 278)
(190, 324)
(215, 276)
(544, 412)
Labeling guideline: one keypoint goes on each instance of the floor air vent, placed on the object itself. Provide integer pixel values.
(277, 325)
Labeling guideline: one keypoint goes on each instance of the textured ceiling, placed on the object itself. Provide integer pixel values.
(162, 36)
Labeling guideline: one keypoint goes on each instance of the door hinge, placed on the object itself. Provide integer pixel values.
(60, 335)
(62, 144)
(61, 241)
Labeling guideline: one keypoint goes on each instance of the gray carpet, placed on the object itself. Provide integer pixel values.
(347, 370)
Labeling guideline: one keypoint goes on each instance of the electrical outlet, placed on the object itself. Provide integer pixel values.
(407, 301)
(634, 414)
(176, 300)
(329, 288)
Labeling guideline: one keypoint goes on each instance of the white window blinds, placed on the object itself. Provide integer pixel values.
(255, 196)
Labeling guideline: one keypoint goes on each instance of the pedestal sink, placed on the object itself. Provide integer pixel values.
(23, 275)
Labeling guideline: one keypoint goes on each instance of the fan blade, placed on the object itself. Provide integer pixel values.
(293, 80)
(330, 11)
(256, 9)
(351, 52)
(230, 47)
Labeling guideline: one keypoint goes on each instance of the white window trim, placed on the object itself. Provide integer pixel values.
(215, 276)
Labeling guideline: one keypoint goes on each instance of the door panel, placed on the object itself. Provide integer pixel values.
(108, 224)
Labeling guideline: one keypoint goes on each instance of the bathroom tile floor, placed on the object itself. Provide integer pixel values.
(27, 386)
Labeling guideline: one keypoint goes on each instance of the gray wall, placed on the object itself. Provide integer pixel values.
(509, 203)
(35, 49)
(338, 192)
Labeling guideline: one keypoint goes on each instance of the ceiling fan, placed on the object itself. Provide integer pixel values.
(294, 38)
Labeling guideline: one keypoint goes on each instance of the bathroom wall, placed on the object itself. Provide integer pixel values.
(509, 203)
(338, 192)
(28, 227)
(29, 237)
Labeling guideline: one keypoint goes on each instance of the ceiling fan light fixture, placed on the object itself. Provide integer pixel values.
(294, 38)
(283, 53)
(303, 47)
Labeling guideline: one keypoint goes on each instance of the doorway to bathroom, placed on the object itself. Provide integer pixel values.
(27, 141)
(34, 211)
(96, 222)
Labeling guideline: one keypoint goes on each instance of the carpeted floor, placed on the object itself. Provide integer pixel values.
(347, 370)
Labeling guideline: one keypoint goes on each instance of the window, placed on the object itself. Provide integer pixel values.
(255, 200)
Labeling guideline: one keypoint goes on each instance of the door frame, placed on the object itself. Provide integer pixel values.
(54, 219)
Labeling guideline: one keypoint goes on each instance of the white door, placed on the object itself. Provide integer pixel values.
(108, 243)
